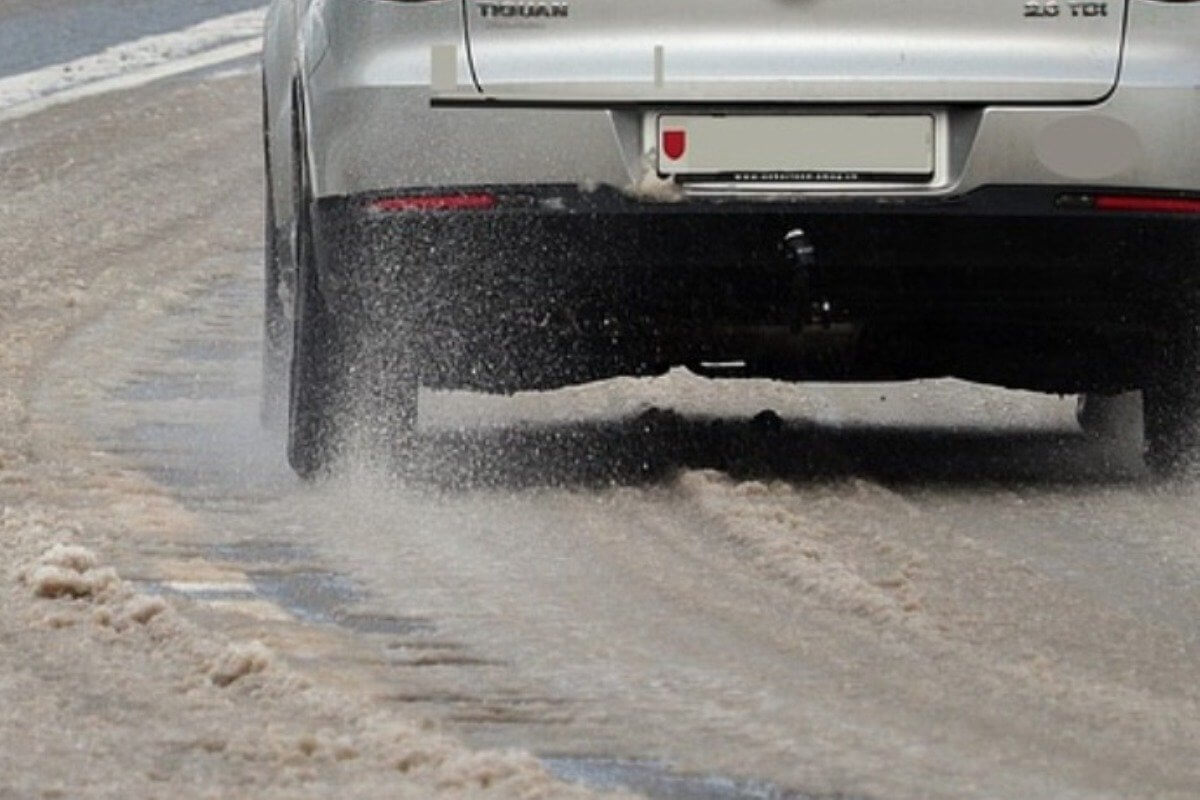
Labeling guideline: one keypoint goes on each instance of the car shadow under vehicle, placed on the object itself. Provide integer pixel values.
(652, 447)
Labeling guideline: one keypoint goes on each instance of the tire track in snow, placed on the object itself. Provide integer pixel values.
(802, 550)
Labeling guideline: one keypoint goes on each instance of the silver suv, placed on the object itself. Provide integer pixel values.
(522, 195)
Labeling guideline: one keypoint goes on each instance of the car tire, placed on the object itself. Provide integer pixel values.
(310, 409)
(273, 409)
(1171, 401)
(353, 386)
(1110, 417)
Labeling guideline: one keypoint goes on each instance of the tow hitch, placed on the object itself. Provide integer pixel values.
(807, 307)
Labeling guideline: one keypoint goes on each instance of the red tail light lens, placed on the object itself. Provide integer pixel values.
(1148, 205)
(473, 201)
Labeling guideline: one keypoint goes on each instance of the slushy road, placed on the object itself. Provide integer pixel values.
(934, 590)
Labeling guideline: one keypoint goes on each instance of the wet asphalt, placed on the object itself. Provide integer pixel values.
(194, 428)
(233, 470)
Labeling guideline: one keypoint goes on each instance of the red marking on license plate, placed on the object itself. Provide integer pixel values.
(674, 144)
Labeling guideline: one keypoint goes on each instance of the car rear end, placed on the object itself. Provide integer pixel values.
(547, 192)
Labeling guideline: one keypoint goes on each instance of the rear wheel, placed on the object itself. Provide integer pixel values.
(354, 390)
(1172, 439)
(276, 333)
(353, 383)
(1112, 417)
(1171, 399)
(353, 394)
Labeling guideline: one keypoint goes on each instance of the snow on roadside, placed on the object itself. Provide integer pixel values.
(106, 691)
(266, 723)
(127, 58)
(240, 660)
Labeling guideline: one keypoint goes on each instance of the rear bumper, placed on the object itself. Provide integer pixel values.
(555, 285)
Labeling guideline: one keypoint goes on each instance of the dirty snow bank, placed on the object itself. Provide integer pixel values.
(151, 686)
(106, 691)
(72, 572)
(146, 56)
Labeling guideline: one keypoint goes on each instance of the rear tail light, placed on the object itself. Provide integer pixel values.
(1146, 204)
(470, 201)
(1131, 203)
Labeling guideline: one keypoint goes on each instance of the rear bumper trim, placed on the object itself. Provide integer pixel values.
(554, 284)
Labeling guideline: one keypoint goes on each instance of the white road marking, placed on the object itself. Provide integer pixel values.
(263, 610)
(131, 64)
(210, 587)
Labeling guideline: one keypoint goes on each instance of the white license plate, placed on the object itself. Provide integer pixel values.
(833, 148)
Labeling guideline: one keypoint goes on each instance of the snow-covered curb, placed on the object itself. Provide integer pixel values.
(133, 63)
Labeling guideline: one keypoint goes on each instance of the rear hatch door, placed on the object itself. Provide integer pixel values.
(877, 51)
